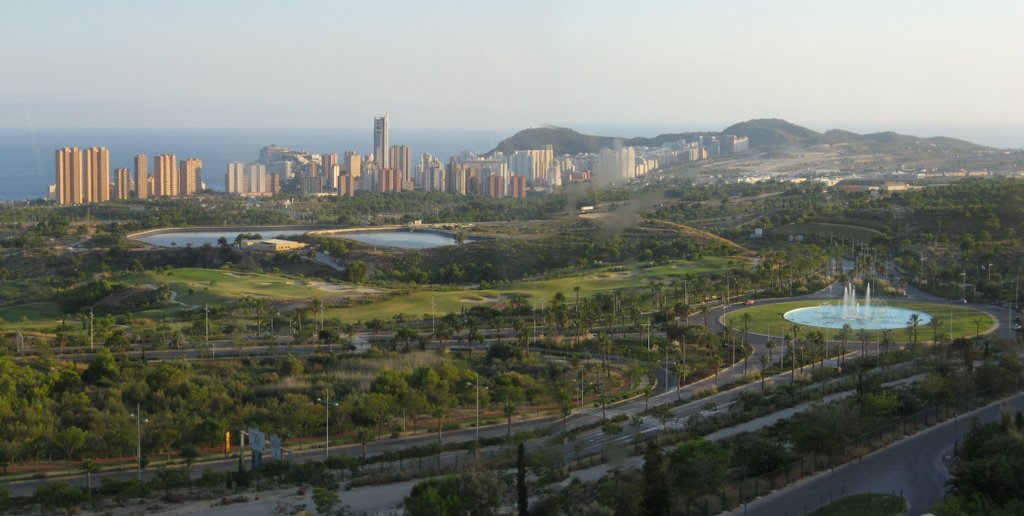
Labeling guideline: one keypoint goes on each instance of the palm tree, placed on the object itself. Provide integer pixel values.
(864, 336)
(764, 365)
(884, 343)
(473, 335)
(576, 289)
(316, 306)
(935, 324)
(913, 322)
(978, 321)
(771, 348)
(844, 337)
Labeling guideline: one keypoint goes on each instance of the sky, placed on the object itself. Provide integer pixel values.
(862, 65)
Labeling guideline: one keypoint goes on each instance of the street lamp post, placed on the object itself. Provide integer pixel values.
(206, 310)
(327, 443)
(90, 330)
(137, 416)
(581, 391)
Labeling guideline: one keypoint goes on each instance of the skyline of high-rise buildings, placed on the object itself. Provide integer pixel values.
(85, 177)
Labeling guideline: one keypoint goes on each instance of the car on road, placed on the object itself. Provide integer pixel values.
(961, 301)
(748, 302)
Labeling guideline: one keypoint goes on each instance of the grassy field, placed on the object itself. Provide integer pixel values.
(867, 504)
(30, 311)
(955, 321)
(194, 287)
(214, 286)
(819, 228)
(418, 303)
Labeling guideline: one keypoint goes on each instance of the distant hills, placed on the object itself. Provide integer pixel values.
(765, 132)
(569, 141)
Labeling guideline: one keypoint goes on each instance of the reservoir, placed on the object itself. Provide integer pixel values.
(384, 238)
(198, 238)
(401, 239)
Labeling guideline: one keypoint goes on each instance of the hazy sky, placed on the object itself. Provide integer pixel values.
(510, 64)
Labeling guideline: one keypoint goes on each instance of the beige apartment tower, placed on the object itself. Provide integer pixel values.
(97, 174)
(401, 159)
(142, 190)
(165, 176)
(69, 175)
(123, 184)
(190, 177)
(353, 164)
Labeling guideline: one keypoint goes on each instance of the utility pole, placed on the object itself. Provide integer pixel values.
(433, 308)
(90, 330)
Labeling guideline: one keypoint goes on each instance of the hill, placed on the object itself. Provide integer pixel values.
(773, 132)
(569, 141)
(764, 132)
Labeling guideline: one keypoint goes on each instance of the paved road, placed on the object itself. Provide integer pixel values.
(912, 466)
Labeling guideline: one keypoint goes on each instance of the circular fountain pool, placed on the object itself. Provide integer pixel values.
(858, 317)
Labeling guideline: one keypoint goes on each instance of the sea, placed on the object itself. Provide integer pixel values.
(27, 155)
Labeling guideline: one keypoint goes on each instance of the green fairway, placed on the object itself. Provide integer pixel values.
(867, 504)
(954, 321)
(30, 312)
(825, 229)
(418, 303)
(198, 286)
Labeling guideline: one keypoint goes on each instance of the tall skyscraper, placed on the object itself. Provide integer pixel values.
(381, 148)
(69, 175)
(142, 176)
(190, 177)
(165, 175)
(97, 175)
(123, 190)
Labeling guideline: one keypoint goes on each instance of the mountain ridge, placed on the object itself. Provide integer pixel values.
(762, 132)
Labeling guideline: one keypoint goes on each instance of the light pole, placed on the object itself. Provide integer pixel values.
(137, 416)
(206, 310)
(327, 443)
(581, 391)
(433, 308)
(90, 330)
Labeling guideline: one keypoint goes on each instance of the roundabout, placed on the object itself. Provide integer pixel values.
(778, 318)
(858, 315)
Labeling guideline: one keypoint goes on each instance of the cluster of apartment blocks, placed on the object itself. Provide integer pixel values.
(390, 169)
(78, 184)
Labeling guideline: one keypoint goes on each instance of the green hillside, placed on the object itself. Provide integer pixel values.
(764, 132)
